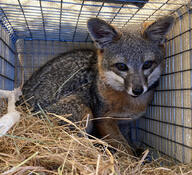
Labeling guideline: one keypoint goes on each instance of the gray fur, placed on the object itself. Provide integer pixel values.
(130, 46)
(46, 85)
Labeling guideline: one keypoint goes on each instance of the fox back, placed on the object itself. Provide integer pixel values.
(65, 75)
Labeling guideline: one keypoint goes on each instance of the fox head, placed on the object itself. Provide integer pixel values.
(132, 58)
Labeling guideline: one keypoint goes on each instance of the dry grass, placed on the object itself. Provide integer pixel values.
(39, 146)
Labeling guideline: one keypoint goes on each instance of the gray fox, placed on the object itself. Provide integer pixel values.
(116, 82)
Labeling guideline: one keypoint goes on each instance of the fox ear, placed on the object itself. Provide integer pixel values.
(101, 32)
(157, 30)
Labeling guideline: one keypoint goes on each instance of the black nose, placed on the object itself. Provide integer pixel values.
(137, 90)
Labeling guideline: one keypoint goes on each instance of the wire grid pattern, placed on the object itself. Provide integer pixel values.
(64, 20)
(7, 60)
(167, 125)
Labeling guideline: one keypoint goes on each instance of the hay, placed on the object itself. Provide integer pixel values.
(36, 146)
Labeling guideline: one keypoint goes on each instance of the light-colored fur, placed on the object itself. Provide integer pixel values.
(155, 75)
(114, 80)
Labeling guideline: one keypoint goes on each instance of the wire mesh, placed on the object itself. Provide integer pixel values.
(63, 20)
(168, 123)
(7, 60)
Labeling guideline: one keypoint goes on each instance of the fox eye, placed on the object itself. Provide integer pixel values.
(147, 64)
(121, 66)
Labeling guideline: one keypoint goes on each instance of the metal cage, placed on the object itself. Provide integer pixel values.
(33, 31)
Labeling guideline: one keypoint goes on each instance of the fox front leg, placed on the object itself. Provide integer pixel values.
(108, 129)
(80, 113)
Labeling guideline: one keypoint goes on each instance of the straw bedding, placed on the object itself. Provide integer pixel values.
(37, 145)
